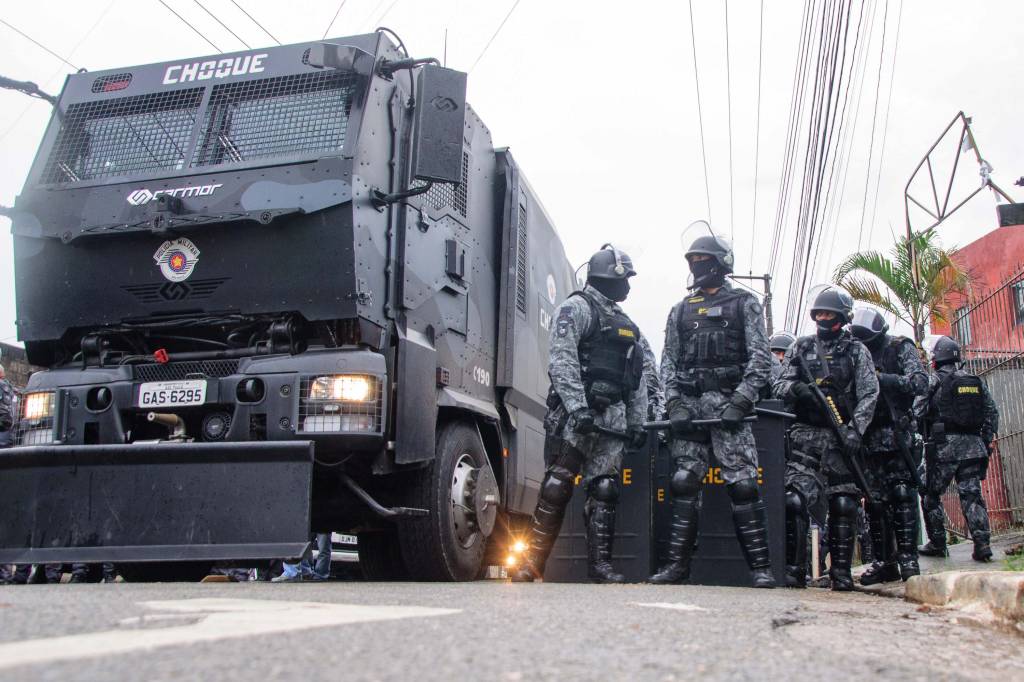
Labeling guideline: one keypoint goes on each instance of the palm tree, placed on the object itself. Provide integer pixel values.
(940, 275)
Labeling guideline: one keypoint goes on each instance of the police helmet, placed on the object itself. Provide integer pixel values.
(716, 247)
(946, 350)
(868, 324)
(781, 341)
(835, 300)
(610, 263)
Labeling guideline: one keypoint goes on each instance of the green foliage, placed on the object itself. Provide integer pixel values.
(887, 282)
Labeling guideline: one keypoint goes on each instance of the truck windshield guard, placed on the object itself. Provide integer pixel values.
(300, 114)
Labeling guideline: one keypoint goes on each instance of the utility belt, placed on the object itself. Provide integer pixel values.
(812, 463)
(700, 380)
(941, 429)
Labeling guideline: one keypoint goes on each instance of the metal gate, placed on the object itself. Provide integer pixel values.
(990, 330)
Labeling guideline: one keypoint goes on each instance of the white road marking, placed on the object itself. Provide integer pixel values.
(217, 619)
(673, 606)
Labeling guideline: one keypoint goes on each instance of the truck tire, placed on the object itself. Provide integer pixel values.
(447, 544)
(165, 571)
(380, 557)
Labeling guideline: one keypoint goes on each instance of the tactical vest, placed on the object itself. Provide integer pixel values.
(889, 363)
(611, 363)
(961, 403)
(836, 383)
(712, 336)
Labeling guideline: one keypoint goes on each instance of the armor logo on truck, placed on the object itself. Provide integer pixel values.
(177, 259)
(141, 197)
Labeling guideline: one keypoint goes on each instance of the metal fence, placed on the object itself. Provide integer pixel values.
(990, 329)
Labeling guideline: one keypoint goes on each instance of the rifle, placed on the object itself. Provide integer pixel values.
(836, 422)
(660, 425)
(908, 458)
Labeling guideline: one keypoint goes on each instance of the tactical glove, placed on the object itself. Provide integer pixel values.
(681, 418)
(732, 416)
(583, 421)
(851, 439)
(889, 382)
(800, 392)
(637, 437)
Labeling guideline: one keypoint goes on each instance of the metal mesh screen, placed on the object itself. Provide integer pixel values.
(296, 114)
(123, 136)
(333, 416)
(176, 371)
(443, 195)
(521, 258)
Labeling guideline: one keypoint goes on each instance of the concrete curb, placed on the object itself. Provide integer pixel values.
(1000, 591)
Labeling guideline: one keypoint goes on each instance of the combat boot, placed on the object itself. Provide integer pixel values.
(884, 568)
(752, 533)
(982, 551)
(904, 522)
(681, 539)
(600, 518)
(933, 548)
(555, 493)
(842, 533)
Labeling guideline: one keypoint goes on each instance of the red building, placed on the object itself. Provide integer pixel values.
(989, 324)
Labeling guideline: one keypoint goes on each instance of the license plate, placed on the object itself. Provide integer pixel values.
(172, 393)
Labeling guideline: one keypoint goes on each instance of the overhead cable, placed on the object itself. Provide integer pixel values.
(196, 30)
(253, 20)
(38, 44)
(495, 35)
(225, 26)
(700, 115)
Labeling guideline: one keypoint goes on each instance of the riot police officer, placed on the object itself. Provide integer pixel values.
(960, 422)
(714, 365)
(778, 344)
(596, 366)
(840, 367)
(889, 439)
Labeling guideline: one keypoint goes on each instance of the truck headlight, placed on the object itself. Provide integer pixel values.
(38, 406)
(340, 403)
(348, 388)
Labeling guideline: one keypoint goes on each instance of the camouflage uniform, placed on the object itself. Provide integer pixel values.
(815, 463)
(963, 457)
(6, 414)
(735, 451)
(601, 454)
(652, 381)
(894, 515)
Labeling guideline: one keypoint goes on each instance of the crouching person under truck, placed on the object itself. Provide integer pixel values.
(595, 366)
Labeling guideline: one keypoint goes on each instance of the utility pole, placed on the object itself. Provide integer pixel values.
(766, 279)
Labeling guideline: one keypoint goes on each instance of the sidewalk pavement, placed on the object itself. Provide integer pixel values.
(960, 581)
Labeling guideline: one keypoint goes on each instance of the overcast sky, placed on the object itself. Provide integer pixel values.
(597, 102)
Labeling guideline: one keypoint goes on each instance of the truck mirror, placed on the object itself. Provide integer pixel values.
(440, 118)
(342, 57)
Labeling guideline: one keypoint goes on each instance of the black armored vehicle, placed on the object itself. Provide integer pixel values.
(278, 292)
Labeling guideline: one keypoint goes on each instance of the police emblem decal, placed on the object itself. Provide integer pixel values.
(177, 259)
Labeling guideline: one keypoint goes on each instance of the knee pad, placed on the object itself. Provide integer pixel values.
(901, 493)
(604, 489)
(685, 483)
(744, 491)
(555, 490)
(795, 504)
(843, 505)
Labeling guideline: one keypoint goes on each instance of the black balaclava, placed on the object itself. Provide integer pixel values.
(614, 289)
(829, 329)
(876, 344)
(707, 273)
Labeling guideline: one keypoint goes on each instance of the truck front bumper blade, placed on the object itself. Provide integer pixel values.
(155, 502)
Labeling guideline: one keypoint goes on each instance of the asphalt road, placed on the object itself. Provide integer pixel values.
(486, 630)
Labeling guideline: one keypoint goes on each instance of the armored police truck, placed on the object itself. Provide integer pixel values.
(278, 292)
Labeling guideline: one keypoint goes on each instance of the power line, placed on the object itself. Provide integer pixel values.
(334, 19)
(757, 134)
(386, 13)
(214, 16)
(197, 31)
(885, 128)
(728, 95)
(368, 23)
(254, 21)
(700, 115)
(38, 44)
(496, 32)
(874, 121)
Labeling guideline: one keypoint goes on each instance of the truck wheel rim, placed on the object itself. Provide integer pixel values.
(463, 519)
